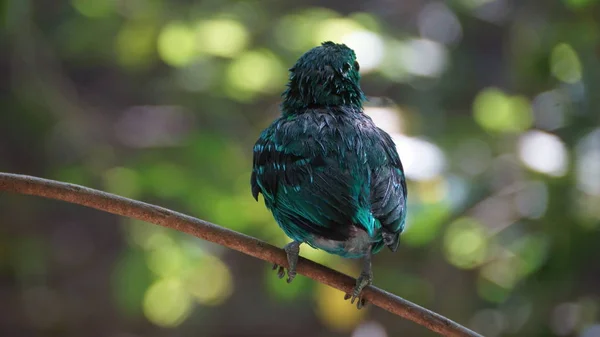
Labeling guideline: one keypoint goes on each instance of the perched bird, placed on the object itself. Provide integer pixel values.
(331, 178)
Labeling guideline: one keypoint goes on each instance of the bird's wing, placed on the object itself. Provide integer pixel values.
(388, 189)
(306, 187)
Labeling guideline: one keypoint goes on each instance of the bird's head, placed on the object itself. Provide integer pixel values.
(326, 75)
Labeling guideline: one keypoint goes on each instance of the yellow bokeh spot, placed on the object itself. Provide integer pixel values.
(252, 72)
(465, 243)
(222, 37)
(134, 44)
(432, 191)
(335, 30)
(496, 111)
(122, 181)
(166, 260)
(177, 44)
(145, 235)
(157, 239)
(335, 312)
(565, 63)
(94, 8)
(167, 303)
(210, 282)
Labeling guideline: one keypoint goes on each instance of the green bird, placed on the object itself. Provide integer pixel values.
(330, 177)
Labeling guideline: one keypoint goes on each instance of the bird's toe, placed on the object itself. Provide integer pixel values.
(281, 272)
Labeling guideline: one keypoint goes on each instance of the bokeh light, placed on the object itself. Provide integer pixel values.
(177, 44)
(423, 57)
(544, 152)
(565, 63)
(438, 23)
(496, 111)
(210, 281)
(335, 312)
(369, 329)
(166, 303)
(254, 72)
(466, 243)
(369, 49)
(222, 37)
(550, 110)
(422, 159)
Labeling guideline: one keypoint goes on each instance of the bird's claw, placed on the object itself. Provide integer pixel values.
(363, 281)
(281, 273)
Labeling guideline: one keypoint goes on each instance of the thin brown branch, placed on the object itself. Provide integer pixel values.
(248, 245)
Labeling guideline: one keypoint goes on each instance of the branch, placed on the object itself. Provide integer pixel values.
(246, 244)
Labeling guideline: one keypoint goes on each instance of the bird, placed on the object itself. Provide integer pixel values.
(331, 178)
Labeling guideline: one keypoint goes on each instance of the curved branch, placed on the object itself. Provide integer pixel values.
(248, 245)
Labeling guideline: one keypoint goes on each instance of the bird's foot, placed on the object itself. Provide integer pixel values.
(364, 280)
(292, 250)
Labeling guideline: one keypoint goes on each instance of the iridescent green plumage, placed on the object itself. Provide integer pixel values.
(331, 178)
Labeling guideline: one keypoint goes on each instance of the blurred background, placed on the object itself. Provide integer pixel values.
(493, 105)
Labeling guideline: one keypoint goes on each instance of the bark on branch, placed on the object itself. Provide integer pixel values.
(111, 203)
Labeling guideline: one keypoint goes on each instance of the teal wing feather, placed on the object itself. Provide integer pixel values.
(388, 191)
(310, 189)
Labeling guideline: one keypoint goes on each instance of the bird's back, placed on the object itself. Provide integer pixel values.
(332, 179)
